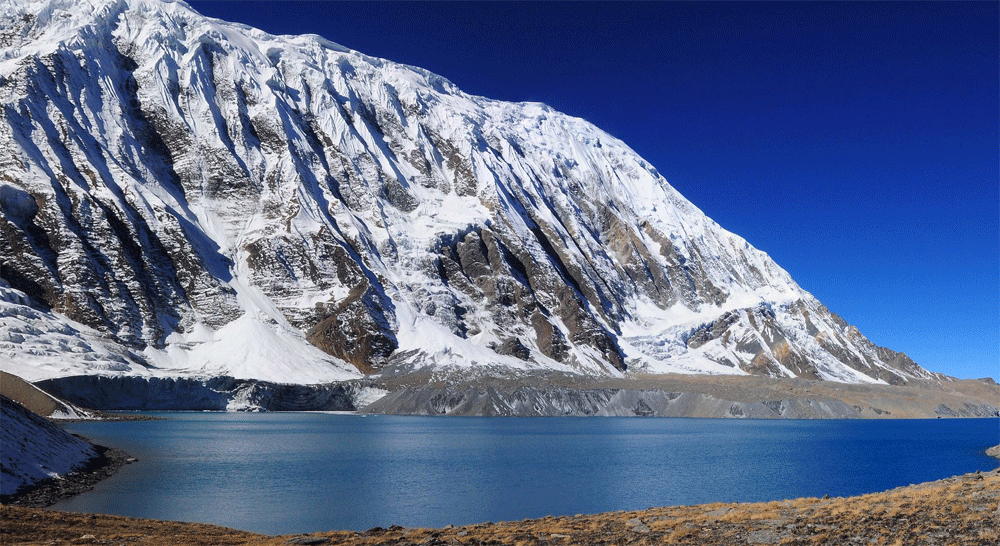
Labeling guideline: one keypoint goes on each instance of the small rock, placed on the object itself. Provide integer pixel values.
(88, 537)
(463, 533)
(557, 535)
(636, 525)
(448, 527)
(764, 536)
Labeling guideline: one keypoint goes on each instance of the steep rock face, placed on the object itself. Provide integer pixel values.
(182, 186)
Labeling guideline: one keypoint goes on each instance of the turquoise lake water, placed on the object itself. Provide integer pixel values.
(280, 473)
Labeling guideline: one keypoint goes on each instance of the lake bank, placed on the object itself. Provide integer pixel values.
(962, 510)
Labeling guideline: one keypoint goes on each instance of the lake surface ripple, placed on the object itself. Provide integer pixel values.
(280, 473)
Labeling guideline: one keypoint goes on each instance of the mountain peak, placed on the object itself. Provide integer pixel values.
(214, 200)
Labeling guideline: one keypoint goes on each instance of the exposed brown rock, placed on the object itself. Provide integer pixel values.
(354, 330)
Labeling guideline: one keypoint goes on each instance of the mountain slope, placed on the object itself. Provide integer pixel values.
(35, 449)
(205, 199)
(38, 401)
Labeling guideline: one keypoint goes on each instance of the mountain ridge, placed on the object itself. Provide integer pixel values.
(185, 197)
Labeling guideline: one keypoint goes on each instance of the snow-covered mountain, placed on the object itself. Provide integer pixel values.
(183, 196)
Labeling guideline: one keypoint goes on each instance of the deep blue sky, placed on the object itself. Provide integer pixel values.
(856, 143)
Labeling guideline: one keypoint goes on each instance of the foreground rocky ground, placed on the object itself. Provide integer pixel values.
(962, 510)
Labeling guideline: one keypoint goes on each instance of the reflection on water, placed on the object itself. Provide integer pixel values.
(301, 472)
